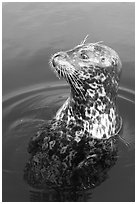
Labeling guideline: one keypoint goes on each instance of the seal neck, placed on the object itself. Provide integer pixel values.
(99, 101)
(100, 90)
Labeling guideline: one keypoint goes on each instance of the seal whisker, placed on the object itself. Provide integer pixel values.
(54, 69)
(83, 42)
(77, 83)
(97, 42)
(50, 63)
(76, 74)
(66, 76)
(60, 73)
(63, 72)
(78, 80)
(73, 83)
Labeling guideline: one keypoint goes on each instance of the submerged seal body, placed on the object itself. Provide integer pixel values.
(79, 142)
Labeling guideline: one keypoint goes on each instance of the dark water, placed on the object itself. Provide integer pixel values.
(32, 94)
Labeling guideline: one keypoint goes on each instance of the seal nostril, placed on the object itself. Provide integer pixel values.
(53, 63)
(58, 55)
(55, 60)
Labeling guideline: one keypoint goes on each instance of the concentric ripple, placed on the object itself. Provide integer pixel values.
(24, 112)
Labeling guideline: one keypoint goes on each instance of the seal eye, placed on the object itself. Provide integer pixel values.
(84, 56)
(102, 59)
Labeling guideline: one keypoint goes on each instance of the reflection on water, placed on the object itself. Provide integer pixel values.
(25, 112)
(60, 195)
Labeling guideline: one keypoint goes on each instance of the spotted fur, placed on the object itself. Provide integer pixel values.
(84, 128)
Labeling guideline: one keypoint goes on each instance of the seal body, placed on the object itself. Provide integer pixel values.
(79, 142)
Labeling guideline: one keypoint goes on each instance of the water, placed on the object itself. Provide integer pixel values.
(32, 94)
(24, 113)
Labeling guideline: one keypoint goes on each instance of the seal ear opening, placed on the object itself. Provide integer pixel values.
(83, 42)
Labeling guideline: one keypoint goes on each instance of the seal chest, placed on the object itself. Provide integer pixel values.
(80, 140)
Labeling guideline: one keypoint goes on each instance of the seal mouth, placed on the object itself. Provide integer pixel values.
(61, 65)
(63, 68)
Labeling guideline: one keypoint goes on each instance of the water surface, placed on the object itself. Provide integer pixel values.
(32, 32)
(24, 113)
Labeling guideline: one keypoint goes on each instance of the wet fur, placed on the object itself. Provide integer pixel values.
(80, 141)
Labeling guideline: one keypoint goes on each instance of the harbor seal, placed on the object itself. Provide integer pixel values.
(79, 142)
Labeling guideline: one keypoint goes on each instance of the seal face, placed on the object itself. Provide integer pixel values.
(79, 142)
(92, 71)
